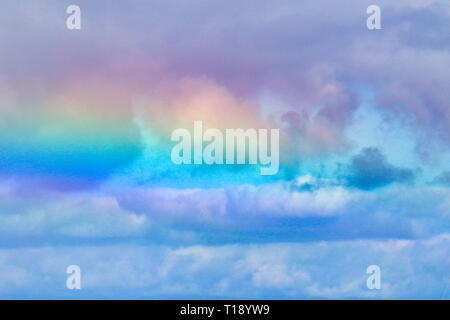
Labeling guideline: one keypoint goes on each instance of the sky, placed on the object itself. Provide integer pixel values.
(86, 176)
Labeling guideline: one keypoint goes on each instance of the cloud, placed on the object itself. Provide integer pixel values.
(91, 111)
(370, 170)
(305, 209)
(308, 61)
(74, 217)
(214, 205)
(409, 269)
(443, 179)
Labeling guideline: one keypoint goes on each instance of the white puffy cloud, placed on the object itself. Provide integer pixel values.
(202, 215)
(409, 269)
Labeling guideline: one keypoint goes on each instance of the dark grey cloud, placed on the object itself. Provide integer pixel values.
(370, 170)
